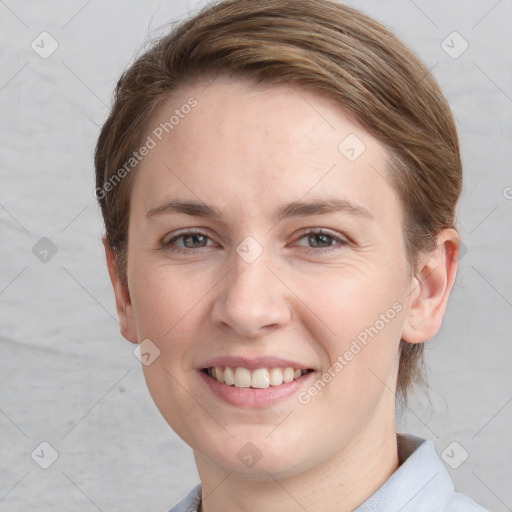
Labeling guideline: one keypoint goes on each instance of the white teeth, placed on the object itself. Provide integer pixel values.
(229, 377)
(288, 375)
(260, 378)
(242, 378)
(276, 377)
(219, 374)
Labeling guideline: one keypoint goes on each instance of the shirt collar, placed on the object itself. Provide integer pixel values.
(421, 482)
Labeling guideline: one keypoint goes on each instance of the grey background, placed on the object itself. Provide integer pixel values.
(67, 376)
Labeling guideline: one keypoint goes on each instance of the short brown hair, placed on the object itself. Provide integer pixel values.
(326, 47)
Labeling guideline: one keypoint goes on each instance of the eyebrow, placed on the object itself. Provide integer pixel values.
(293, 209)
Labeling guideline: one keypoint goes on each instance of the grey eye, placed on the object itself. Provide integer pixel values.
(194, 241)
(320, 240)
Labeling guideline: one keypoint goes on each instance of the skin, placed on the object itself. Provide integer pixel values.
(247, 151)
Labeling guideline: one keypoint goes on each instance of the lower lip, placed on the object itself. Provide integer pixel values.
(252, 397)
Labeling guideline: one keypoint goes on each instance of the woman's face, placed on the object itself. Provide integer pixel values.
(264, 235)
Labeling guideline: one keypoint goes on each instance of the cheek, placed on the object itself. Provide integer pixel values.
(169, 310)
(362, 314)
(350, 299)
(355, 317)
(167, 301)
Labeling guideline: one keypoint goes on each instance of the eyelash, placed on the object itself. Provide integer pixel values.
(307, 232)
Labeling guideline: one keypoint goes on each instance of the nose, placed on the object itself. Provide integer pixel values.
(251, 299)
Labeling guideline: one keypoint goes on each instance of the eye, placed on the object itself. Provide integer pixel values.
(186, 241)
(320, 240)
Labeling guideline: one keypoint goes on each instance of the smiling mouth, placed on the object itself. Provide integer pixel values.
(259, 378)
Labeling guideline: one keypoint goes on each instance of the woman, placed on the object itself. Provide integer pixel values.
(278, 181)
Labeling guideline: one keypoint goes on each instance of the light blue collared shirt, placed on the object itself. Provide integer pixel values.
(420, 484)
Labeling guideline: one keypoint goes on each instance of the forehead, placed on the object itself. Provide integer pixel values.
(258, 145)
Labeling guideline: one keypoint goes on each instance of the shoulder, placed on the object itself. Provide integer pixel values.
(190, 503)
(420, 484)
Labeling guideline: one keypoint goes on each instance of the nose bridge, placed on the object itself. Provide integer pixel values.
(251, 297)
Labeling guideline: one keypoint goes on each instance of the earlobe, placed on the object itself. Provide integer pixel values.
(431, 287)
(122, 295)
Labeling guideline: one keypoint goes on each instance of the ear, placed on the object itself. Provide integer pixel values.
(431, 287)
(123, 301)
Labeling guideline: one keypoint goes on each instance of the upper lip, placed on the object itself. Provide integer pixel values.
(253, 362)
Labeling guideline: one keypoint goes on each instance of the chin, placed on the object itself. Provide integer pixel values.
(259, 456)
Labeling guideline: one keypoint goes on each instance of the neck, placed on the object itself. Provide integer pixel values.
(339, 484)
